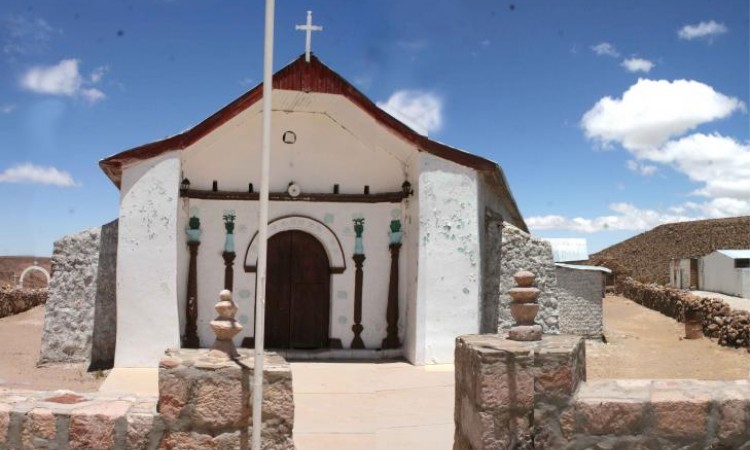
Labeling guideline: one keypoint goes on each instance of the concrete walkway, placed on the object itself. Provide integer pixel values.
(366, 405)
(352, 405)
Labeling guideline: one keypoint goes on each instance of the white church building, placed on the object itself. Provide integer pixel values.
(379, 237)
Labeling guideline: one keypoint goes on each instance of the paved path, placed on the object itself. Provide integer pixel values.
(382, 405)
(738, 303)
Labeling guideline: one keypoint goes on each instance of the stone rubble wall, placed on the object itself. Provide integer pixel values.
(720, 321)
(521, 251)
(14, 300)
(533, 395)
(581, 309)
(192, 412)
(82, 299)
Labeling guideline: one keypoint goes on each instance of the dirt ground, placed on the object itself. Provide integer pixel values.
(641, 344)
(645, 344)
(20, 339)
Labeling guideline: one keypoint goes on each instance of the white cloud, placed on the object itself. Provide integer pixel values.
(7, 108)
(605, 49)
(25, 36)
(652, 111)
(702, 30)
(98, 74)
(30, 173)
(643, 169)
(720, 163)
(627, 218)
(64, 79)
(637, 65)
(420, 110)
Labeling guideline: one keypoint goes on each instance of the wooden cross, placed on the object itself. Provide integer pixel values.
(308, 28)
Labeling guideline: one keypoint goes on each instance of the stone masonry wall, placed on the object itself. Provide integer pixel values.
(521, 251)
(81, 263)
(581, 311)
(524, 395)
(730, 327)
(195, 412)
(14, 300)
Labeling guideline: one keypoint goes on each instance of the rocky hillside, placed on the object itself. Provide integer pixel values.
(646, 257)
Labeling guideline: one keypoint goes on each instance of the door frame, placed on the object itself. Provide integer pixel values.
(319, 230)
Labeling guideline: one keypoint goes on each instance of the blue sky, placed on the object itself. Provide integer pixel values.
(607, 117)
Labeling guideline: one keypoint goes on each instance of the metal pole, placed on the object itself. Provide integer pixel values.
(260, 282)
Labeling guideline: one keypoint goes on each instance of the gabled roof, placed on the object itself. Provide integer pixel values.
(311, 77)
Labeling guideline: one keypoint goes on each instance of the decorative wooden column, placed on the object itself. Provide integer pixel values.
(391, 313)
(191, 339)
(229, 270)
(357, 342)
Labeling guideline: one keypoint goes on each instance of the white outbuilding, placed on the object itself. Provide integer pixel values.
(379, 237)
(727, 272)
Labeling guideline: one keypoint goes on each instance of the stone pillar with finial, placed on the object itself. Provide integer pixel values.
(524, 308)
(225, 327)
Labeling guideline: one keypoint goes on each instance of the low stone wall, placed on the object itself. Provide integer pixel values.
(523, 395)
(14, 300)
(660, 414)
(63, 419)
(201, 405)
(730, 327)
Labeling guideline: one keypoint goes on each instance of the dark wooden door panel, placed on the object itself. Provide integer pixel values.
(278, 291)
(297, 292)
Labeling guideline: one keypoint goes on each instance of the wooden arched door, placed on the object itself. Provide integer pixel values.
(297, 292)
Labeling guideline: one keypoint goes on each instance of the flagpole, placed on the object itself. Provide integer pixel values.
(260, 274)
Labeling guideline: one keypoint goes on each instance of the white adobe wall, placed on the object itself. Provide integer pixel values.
(348, 149)
(719, 274)
(414, 338)
(338, 217)
(449, 257)
(147, 317)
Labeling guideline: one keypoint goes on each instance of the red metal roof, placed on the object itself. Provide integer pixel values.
(306, 77)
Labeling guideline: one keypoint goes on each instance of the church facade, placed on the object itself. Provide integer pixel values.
(379, 238)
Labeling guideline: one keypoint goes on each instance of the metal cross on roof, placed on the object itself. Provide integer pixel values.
(308, 28)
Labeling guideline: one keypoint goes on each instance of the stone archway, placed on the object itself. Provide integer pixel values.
(31, 268)
(317, 229)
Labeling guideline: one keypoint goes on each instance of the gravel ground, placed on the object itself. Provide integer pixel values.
(20, 339)
(642, 343)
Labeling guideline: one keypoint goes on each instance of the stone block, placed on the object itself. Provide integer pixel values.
(39, 423)
(617, 417)
(140, 427)
(173, 395)
(483, 429)
(677, 415)
(219, 402)
(187, 441)
(732, 418)
(93, 427)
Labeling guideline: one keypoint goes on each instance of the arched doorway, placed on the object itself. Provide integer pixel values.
(297, 292)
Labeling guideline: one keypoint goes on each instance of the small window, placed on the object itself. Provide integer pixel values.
(742, 263)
